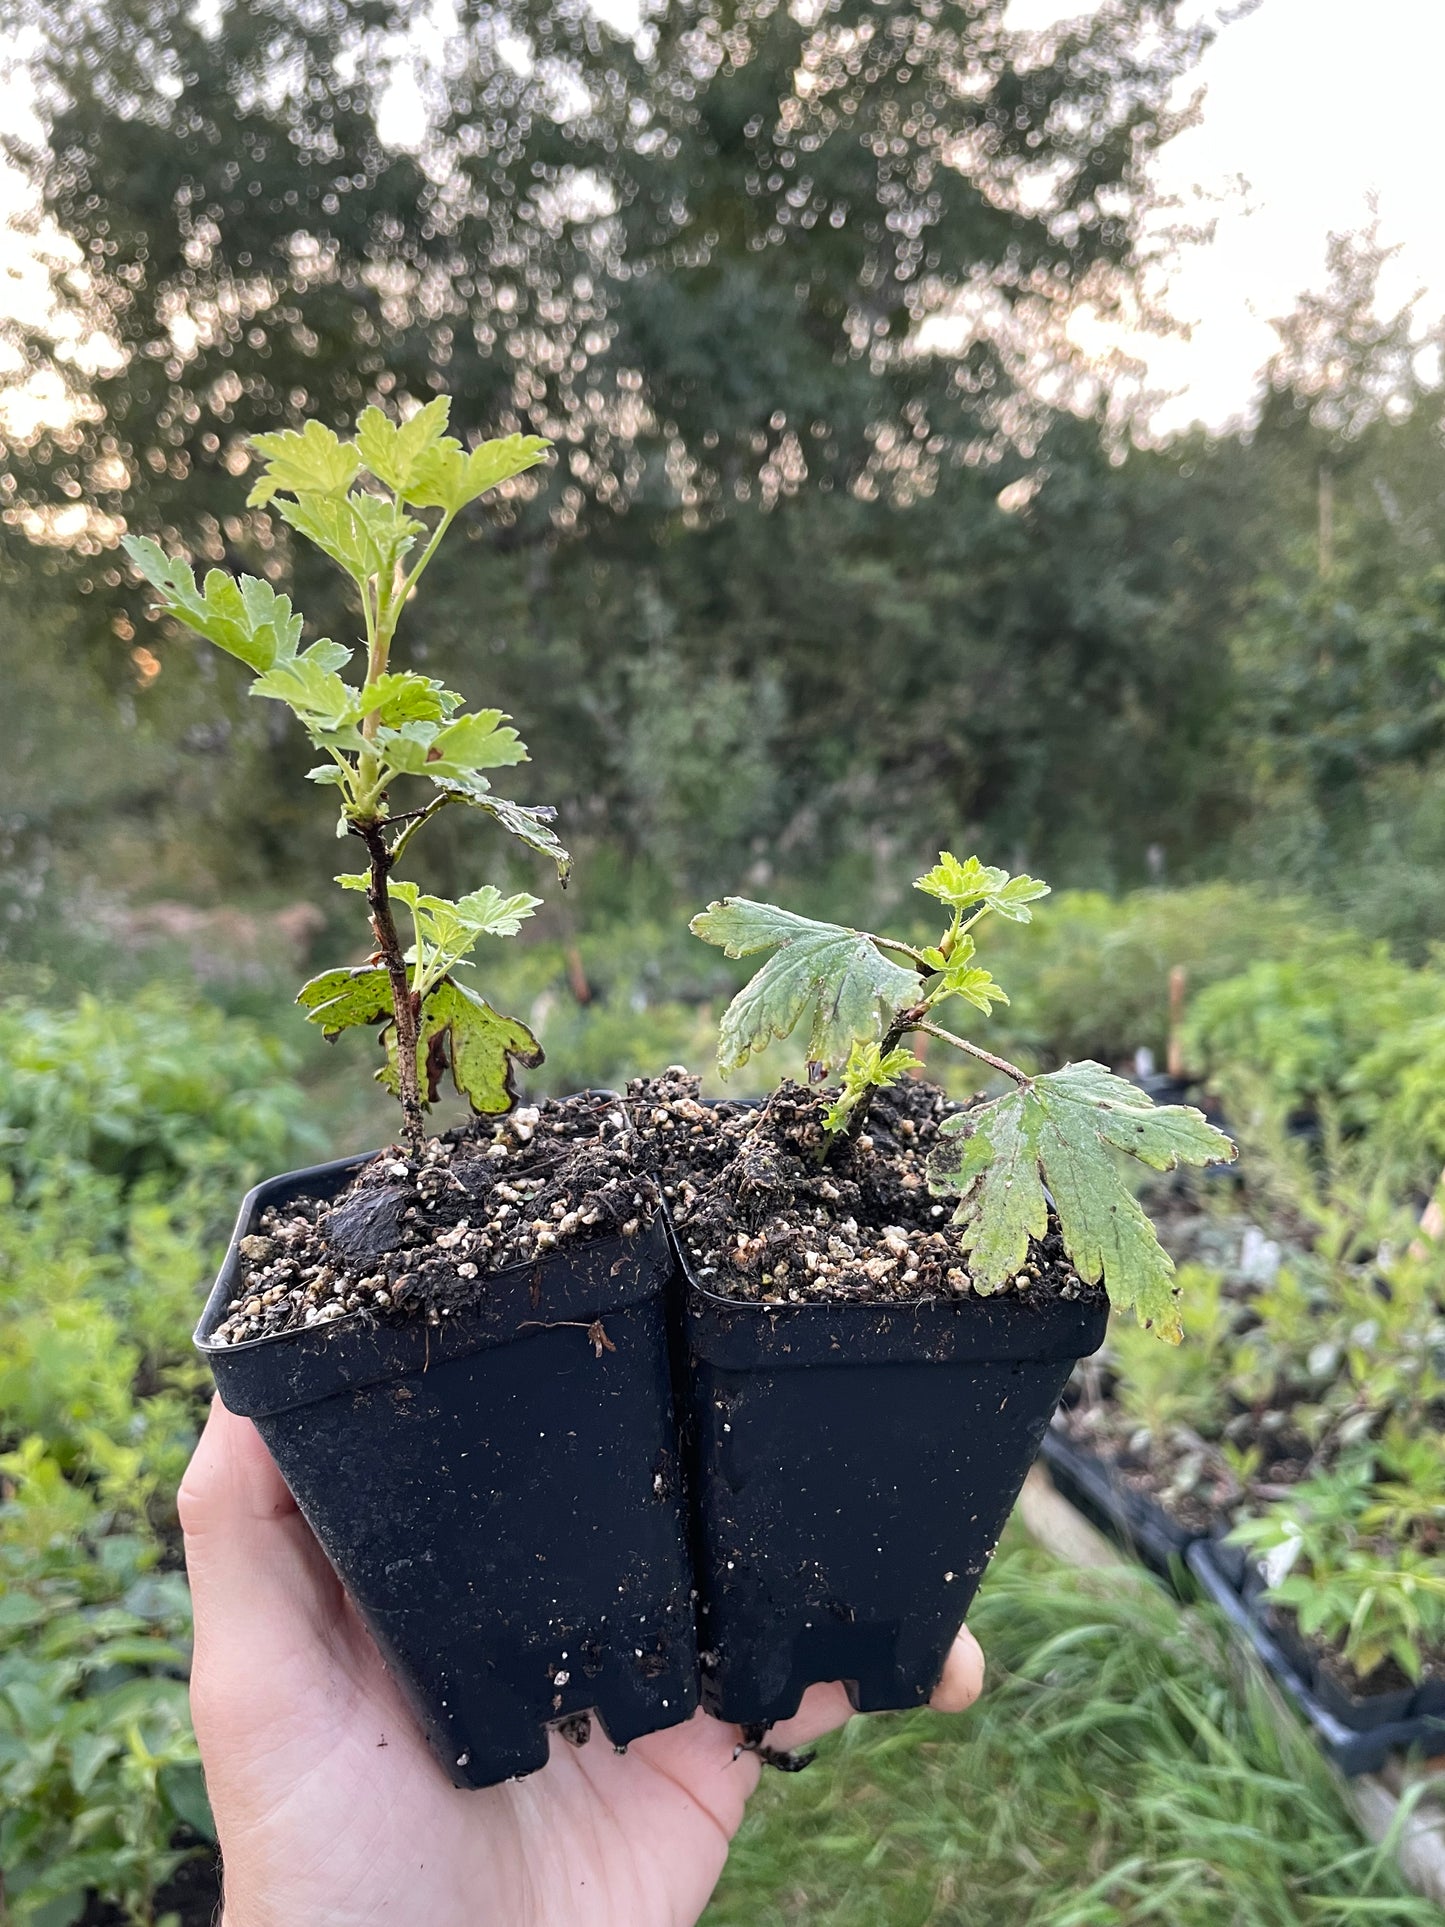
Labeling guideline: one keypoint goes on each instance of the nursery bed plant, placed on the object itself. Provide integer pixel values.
(1299, 1436)
(1117, 1772)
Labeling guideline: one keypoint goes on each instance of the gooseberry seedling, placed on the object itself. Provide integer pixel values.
(1048, 1143)
(369, 503)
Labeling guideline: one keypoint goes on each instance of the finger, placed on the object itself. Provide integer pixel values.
(258, 1578)
(962, 1680)
(825, 1708)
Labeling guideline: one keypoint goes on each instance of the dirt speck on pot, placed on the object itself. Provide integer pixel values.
(418, 1237)
(760, 1217)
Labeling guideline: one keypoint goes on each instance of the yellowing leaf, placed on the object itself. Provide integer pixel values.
(1060, 1130)
(461, 1030)
(834, 977)
(315, 460)
(339, 999)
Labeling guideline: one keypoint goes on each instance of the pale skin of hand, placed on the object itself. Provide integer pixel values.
(323, 1825)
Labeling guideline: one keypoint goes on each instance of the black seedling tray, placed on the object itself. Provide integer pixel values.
(1131, 1519)
(1345, 1731)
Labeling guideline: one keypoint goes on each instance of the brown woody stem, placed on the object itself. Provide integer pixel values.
(393, 956)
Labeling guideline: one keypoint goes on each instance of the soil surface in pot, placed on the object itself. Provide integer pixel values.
(416, 1237)
(761, 1218)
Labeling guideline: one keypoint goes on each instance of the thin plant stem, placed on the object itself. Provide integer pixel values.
(975, 1050)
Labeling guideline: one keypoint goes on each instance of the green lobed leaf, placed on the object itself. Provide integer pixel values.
(528, 825)
(246, 618)
(867, 1069)
(974, 985)
(482, 913)
(363, 534)
(450, 752)
(834, 977)
(1061, 1130)
(449, 478)
(394, 450)
(312, 459)
(402, 696)
(449, 930)
(339, 999)
(961, 884)
(311, 688)
(1159, 1135)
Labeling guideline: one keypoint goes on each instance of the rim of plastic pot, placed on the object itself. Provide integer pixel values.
(283, 1370)
(1003, 1326)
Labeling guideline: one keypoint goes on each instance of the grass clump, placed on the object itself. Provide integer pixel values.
(1119, 1770)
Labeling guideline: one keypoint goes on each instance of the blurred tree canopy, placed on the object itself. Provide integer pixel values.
(816, 578)
(706, 256)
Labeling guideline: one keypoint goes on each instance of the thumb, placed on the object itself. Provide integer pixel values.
(260, 1584)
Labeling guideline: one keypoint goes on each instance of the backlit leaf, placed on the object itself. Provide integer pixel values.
(315, 460)
(449, 478)
(246, 618)
(311, 688)
(393, 450)
(962, 884)
(833, 977)
(365, 535)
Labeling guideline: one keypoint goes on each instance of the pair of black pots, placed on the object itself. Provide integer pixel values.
(607, 1490)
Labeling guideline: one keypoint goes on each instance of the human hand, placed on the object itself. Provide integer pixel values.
(332, 1812)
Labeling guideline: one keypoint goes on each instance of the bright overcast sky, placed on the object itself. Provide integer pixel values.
(1311, 107)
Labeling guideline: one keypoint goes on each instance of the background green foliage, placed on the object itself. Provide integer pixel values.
(127, 1130)
(1115, 1772)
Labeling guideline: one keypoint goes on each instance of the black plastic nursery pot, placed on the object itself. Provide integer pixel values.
(1357, 1733)
(500, 1492)
(1137, 1523)
(852, 1467)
